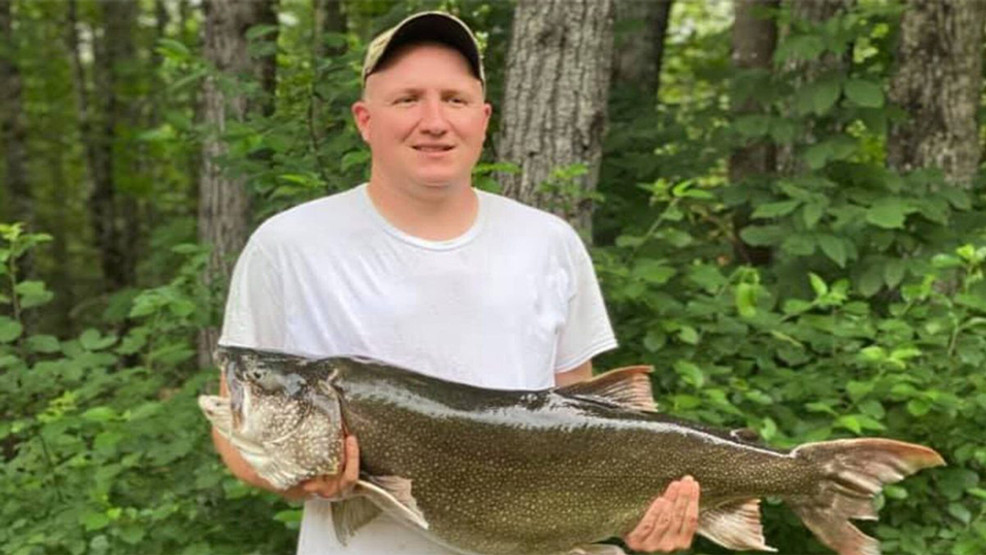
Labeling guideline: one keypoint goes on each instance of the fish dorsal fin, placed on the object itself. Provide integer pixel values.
(748, 435)
(627, 387)
(349, 515)
(735, 526)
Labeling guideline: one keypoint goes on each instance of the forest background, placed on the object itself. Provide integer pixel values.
(784, 199)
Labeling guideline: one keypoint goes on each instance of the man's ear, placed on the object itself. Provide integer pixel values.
(361, 115)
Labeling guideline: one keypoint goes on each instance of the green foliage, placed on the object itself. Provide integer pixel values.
(104, 448)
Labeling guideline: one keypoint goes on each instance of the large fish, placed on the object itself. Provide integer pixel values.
(534, 472)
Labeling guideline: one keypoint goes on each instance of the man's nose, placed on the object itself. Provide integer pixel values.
(433, 117)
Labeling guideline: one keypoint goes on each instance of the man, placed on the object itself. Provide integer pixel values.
(418, 269)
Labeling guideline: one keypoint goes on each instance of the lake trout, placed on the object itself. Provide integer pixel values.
(534, 472)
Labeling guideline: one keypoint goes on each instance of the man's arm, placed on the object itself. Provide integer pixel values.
(323, 486)
(670, 522)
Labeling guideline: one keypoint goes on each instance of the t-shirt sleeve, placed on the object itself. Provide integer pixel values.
(254, 314)
(587, 330)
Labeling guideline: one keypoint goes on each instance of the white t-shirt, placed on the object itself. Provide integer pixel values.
(506, 305)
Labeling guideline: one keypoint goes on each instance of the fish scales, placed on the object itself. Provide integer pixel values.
(535, 472)
(493, 460)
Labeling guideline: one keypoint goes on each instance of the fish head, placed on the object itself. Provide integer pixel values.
(282, 414)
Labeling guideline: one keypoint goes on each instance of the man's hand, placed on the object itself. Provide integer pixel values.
(331, 486)
(671, 520)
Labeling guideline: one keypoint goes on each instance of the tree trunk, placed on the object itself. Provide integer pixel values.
(754, 39)
(554, 106)
(801, 71)
(19, 205)
(641, 26)
(329, 18)
(938, 82)
(223, 199)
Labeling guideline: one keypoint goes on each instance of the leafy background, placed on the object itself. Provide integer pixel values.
(870, 318)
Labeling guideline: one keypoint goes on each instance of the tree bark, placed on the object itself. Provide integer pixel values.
(938, 82)
(19, 205)
(754, 39)
(329, 18)
(641, 27)
(223, 198)
(801, 71)
(554, 106)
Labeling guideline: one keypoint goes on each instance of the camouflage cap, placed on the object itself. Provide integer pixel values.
(423, 27)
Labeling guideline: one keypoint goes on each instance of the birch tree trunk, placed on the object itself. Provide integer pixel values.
(554, 106)
(224, 205)
(640, 30)
(19, 205)
(754, 39)
(938, 82)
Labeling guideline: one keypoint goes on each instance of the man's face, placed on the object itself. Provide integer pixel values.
(424, 117)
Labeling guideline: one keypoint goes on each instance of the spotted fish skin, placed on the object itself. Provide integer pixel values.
(546, 472)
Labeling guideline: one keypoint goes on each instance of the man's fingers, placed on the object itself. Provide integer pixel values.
(351, 473)
(647, 524)
(690, 522)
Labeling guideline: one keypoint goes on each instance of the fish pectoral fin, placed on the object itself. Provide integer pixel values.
(598, 549)
(218, 411)
(349, 515)
(734, 526)
(627, 387)
(393, 495)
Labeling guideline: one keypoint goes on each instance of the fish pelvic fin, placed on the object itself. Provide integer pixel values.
(597, 549)
(627, 387)
(734, 526)
(349, 515)
(855, 471)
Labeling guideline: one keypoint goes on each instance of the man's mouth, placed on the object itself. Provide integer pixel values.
(432, 148)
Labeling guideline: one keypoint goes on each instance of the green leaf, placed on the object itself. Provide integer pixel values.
(92, 341)
(690, 373)
(960, 512)
(870, 281)
(893, 272)
(687, 334)
(850, 422)
(745, 298)
(818, 284)
(824, 95)
(775, 209)
(258, 31)
(764, 235)
(857, 390)
(32, 293)
(888, 213)
(10, 329)
(99, 414)
(817, 155)
(654, 271)
(43, 344)
(834, 248)
(865, 93)
(655, 340)
(94, 520)
(812, 213)
(173, 49)
(799, 244)
(753, 125)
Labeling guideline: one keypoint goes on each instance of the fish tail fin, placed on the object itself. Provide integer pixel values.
(855, 470)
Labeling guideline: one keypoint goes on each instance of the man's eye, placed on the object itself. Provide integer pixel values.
(457, 100)
(404, 100)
